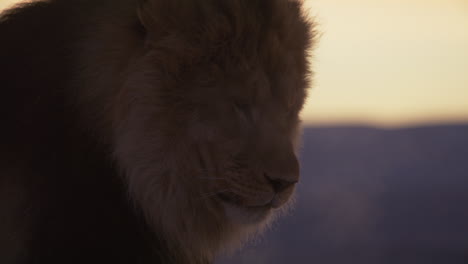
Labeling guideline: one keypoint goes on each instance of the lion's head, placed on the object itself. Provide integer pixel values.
(206, 124)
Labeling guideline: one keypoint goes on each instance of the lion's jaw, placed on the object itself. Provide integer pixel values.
(205, 125)
(204, 173)
(251, 170)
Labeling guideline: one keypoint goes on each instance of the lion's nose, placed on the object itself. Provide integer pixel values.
(279, 185)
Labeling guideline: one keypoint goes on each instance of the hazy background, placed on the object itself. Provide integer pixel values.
(390, 62)
(385, 157)
(373, 196)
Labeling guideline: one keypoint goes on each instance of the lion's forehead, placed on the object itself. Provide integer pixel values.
(225, 37)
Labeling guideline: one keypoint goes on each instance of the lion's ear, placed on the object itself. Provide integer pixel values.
(161, 17)
(143, 7)
(152, 16)
(148, 19)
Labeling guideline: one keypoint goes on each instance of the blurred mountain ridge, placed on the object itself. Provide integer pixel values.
(369, 195)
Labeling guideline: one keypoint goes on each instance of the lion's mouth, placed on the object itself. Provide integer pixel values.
(236, 200)
(239, 212)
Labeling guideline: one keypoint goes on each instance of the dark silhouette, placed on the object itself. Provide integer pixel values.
(146, 131)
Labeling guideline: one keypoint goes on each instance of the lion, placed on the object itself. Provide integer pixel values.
(147, 131)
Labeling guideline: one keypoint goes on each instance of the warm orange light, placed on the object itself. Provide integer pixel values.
(390, 62)
(7, 3)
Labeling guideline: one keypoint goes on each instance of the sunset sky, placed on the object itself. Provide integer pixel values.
(388, 62)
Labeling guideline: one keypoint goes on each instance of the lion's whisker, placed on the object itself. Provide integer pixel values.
(207, 170)
(211, 194)
(211, 178)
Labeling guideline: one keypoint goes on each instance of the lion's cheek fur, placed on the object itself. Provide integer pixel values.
(158, 169)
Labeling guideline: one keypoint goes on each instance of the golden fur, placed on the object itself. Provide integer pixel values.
(198, 104)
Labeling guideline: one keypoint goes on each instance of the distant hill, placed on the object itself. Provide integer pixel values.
(373, 196)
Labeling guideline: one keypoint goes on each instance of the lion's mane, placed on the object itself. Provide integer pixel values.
(130, 99)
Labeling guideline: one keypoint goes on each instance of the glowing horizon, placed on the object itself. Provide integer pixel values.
(387, 62)
(390, 62)
(7, 3)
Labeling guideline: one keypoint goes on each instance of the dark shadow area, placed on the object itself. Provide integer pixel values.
(374, 196)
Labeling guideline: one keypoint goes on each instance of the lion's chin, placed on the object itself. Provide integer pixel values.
(247, 216)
